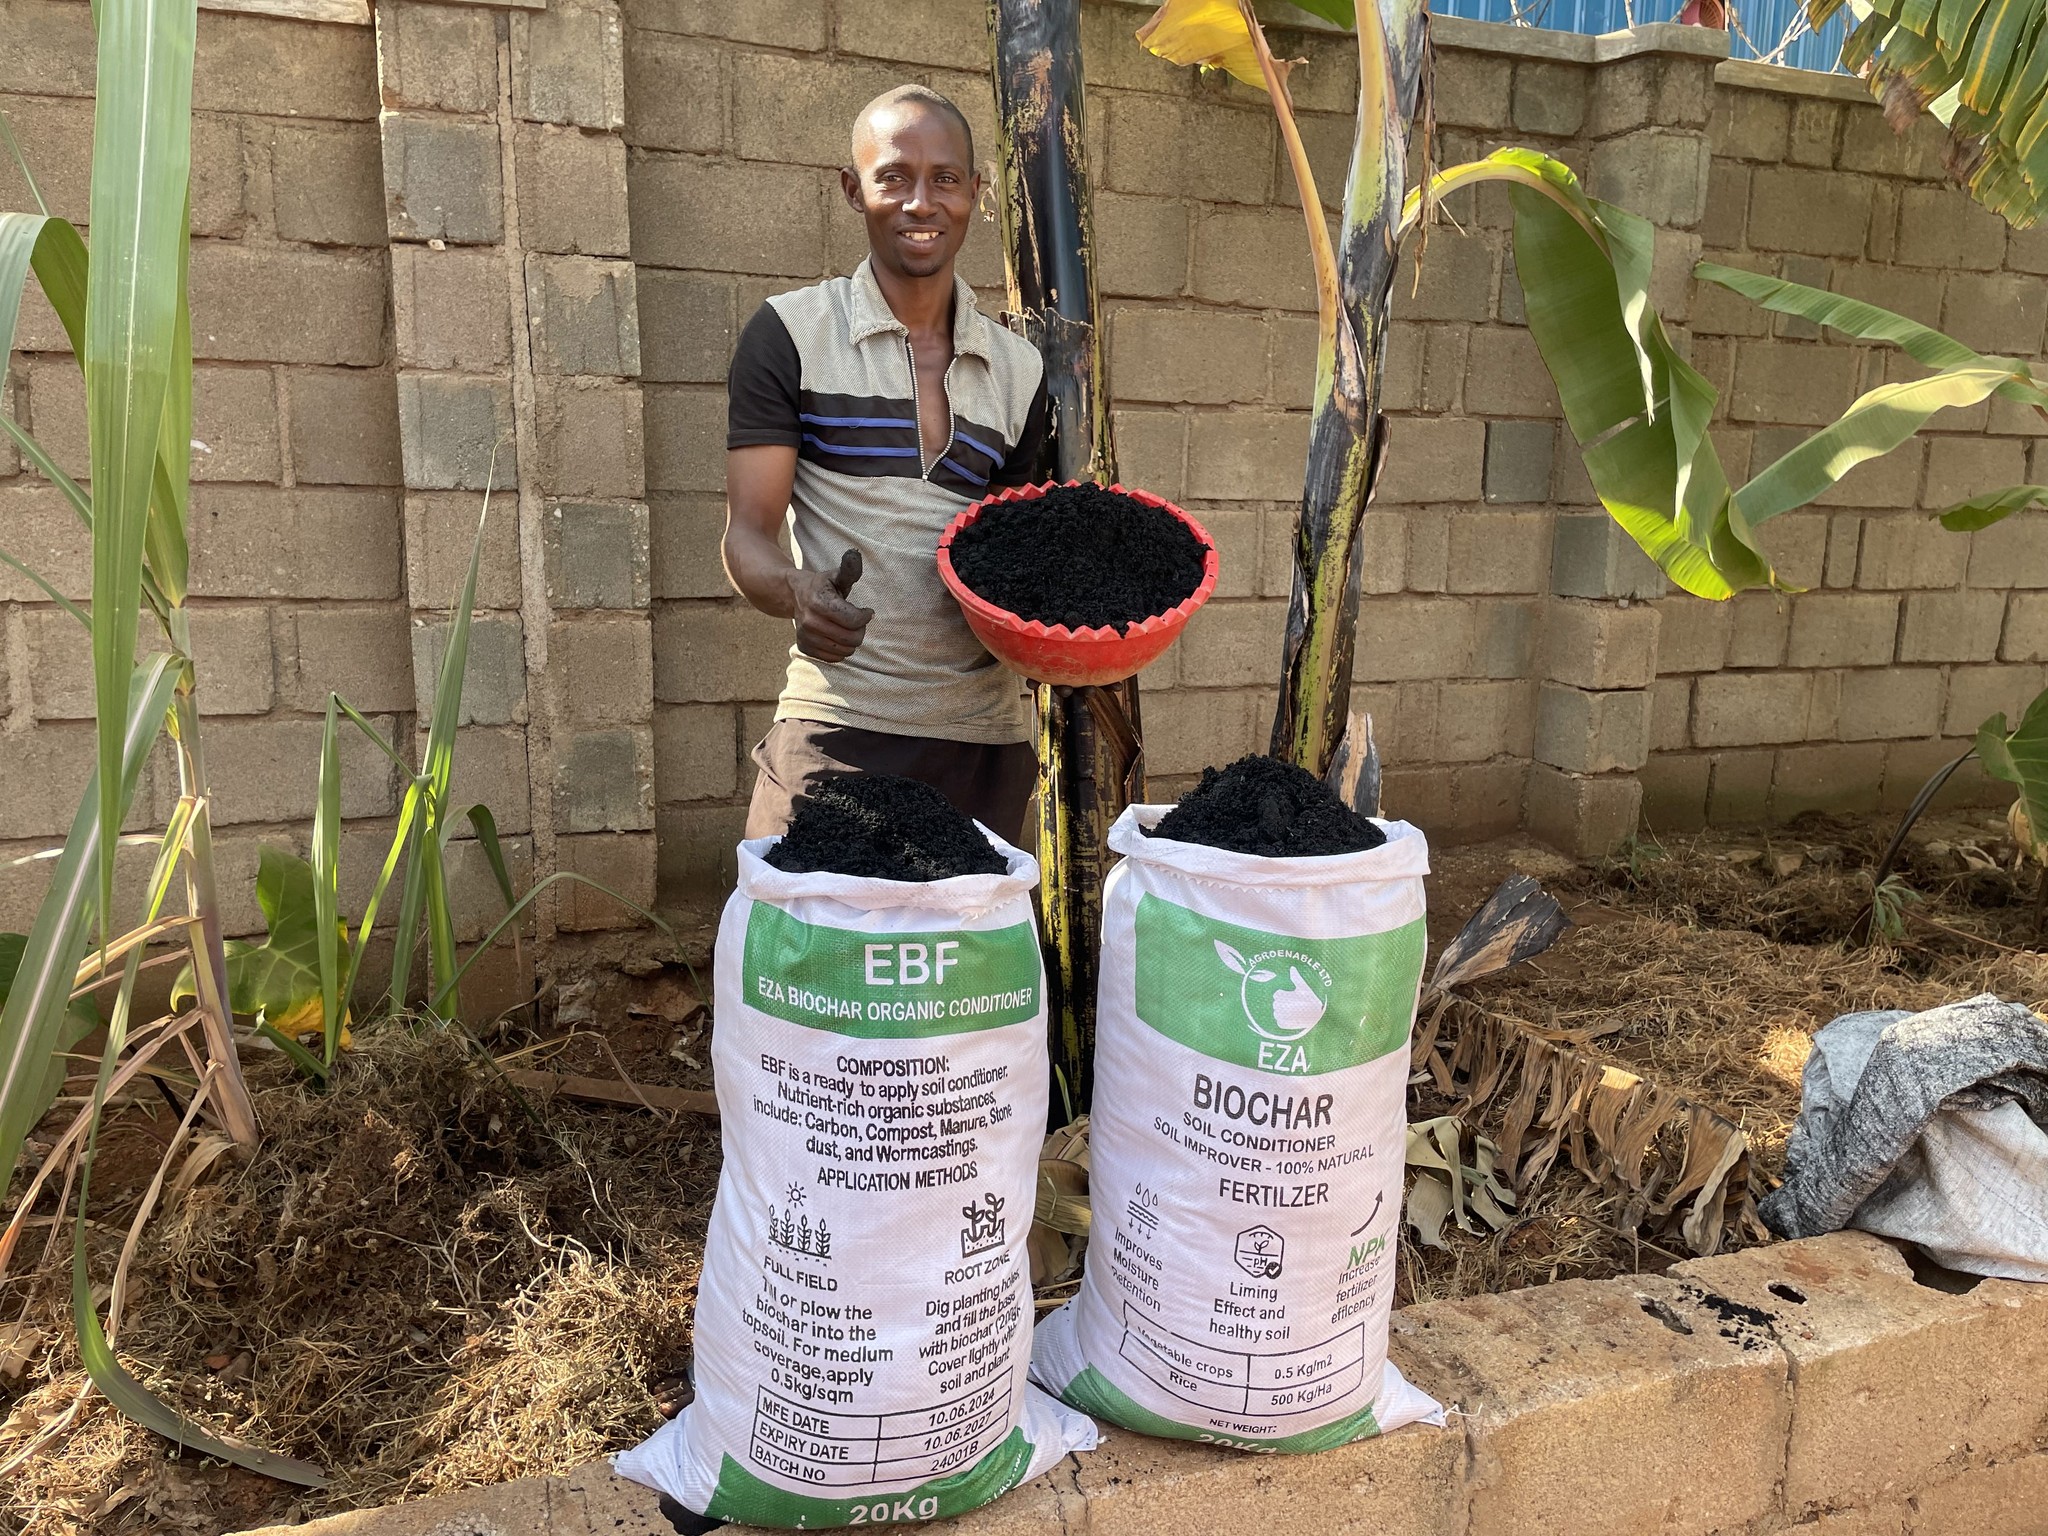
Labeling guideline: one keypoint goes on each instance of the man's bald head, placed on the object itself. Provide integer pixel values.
(909, 98)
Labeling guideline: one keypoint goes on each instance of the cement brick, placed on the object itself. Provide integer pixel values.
(271, 304)
(1592, 557)
(1902, 290)
(920, 31)
(476, 901)
(597, 555)
(684, 535)
(1152, 450)
(696, 846)
(688, 325)
(1212, 153)
(622, 862)
(1480, 720)
(584, 315)
(568, 64)
(1291, 362)
(695, 755)
(1432, 459)
(1727, 210)
(1671, 719)
(1891, 1379)
(1197, 356)
(441, 58)
(456, 432)
(591, 441)
(1811, 272)
(1232, 644)
(1890, 702)
(1739, 792)
(269, 770)
(800, 111)
(1658, 173)
(1910, 764)
(710, 652)
(1549, 98)
(1961, 467)
(1977, 693)
(1505, 632)
(46, 771)
(1941, 227)
(1693, 636)
(255, 541)
(685, 439)
(2006, 1497)
(1456, 283)
(1505, 375)
(1187, 730)
(1499, 552)
(1413, 637)
(658, 115)
(232, 647)
(1429, 549)
(1443, 370)
(779, 23)
(1472, 90)
(2026, 250)
(1592, 732)
(783, 236)
(328, 184)
(1587, 817)
(1796, 543)
(1423, 796)
(1951, 626)
(1869, 145)
(1845, 544)
(1995, 312)
(490, 769)
(2026, 629)
(441, 529)
(248, 63)
(44, 533)
(1250, 456)
(344, 427)
(1781, 382)
(1141, 246)
(50, 52)
(604, 781)
(1812, 212)
(1741, 709)
(1751, 125)
(1600, 645)
(572, 191)
(442, 180)
(234, 424)
(1824, 716)
(1675, 792)
(1816, 125)
(493, 675)
(1838, 779)
(1843, 629)
(1256, 257)
(601, 670)
(1908, 551)
(450, 308)
(364, 654)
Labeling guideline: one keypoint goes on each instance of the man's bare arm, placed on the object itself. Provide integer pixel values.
(758, 481)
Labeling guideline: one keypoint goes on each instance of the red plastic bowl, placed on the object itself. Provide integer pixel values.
(1091, 656)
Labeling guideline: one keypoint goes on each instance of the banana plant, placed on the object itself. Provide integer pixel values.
(1980, 67)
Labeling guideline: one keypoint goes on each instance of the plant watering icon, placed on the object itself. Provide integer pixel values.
(1283, 992)
(1259, 1251)
(985, 1226)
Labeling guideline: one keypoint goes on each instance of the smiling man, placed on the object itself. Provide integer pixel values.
(865, 413)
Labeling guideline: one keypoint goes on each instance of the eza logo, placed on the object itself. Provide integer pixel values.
(1283, 992)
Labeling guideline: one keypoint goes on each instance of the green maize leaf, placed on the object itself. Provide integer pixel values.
(329, 932)
(1875, 425)
(74, 493)
(32, 1019)
(486, 827)
(166, 550)
(1341, 12)
(142, 161)
(49, 591)
(80, 1019)
(1867, 322)
(443, 1000)
(2019, 755)
(1993, 506)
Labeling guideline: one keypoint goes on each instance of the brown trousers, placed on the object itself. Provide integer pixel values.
(992, 783)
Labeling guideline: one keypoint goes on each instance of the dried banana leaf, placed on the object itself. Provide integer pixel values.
(1517, 922)
(1455, 1179)
(1680, 1162)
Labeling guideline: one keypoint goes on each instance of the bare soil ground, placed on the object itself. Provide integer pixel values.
(429, 1278)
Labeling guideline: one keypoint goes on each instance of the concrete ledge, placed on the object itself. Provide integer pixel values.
(1813, 1385)
(1748, 75)
(1578, 47)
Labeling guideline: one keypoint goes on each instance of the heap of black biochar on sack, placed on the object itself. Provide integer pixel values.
(880, 827)
(1080, 555)
(1264, 806)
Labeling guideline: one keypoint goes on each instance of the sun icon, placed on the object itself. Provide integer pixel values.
(795, 1194)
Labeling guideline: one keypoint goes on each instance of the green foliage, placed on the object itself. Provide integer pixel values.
(277, 981)
(1889, 899)
(2019, 755)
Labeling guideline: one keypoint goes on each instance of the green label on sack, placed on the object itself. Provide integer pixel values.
(1271, 1001)
(889, 986)
(741, 1496)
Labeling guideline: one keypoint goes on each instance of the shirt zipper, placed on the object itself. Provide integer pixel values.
(917, 408)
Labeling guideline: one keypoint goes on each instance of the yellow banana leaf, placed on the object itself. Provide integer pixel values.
(1211, 33)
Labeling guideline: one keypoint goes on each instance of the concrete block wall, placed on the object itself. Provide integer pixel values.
(298, 560)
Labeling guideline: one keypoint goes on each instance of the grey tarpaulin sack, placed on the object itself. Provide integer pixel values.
(1928, 1127)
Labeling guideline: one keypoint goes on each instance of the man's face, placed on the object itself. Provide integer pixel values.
(912, 183)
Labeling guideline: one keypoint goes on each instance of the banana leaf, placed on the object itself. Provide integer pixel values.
(1991, 507)
(279, 982)
(2019, 755)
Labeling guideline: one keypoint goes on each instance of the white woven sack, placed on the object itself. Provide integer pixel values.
(1246, 1146)
(863, 1324)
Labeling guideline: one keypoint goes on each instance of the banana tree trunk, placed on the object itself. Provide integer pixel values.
(1347, 434)
(1090, 757)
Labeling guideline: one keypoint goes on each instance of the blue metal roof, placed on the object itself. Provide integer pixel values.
(1757, 27)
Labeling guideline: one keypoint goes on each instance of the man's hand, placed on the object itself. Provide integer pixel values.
(828, 626)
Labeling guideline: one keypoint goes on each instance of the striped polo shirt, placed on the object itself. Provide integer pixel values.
(827, 370)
